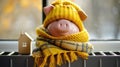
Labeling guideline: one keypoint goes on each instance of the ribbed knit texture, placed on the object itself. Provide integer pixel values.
(81, 36)
(64, 10)
(51, 50)
(54, 51)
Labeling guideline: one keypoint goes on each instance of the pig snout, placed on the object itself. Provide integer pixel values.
(62, 27)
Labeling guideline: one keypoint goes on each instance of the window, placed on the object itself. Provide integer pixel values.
(103, 22)
(18, 16)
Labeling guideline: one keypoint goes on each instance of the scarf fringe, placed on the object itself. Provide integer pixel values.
(59, 59)
(83, 55)
(73, 56)
(56, 59)
(52, 61)
(37, 61)
(66, 57)
(44, 62)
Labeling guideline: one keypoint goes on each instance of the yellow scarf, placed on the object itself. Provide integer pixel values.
(81, 36)
(52, 51)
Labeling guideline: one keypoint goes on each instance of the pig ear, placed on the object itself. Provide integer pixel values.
(82, 15)
(47, 9)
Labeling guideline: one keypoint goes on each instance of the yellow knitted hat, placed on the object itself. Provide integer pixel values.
(64, 9)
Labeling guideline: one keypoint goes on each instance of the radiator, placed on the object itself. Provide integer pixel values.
(96, 59)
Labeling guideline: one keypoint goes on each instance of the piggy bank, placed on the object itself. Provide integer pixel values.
(62, 27)
(62, 36)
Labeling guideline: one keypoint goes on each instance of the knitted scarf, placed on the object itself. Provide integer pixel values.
(52, 51)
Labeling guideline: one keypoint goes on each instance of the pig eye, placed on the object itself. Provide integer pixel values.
(56, 20)
(70, 21)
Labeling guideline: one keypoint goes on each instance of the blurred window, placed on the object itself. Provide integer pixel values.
(18, 16)
(103, 22)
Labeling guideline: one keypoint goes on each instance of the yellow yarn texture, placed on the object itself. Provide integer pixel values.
(52, 51)
(65, 9)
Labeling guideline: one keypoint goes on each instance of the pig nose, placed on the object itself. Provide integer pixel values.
(63, 26)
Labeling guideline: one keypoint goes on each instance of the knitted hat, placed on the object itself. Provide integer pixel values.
(64, 9)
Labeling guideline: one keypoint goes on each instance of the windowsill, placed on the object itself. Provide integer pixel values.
(98, 45)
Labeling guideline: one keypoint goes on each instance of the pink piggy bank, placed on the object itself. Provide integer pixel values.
(62, 36)
(60, 27)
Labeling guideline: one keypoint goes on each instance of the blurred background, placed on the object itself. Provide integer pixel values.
(16, 16)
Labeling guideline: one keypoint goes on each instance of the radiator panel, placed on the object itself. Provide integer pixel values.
(96, 59)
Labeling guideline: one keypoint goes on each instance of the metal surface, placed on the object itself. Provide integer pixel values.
(105, 54)
(96, 59)
(98, 46)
